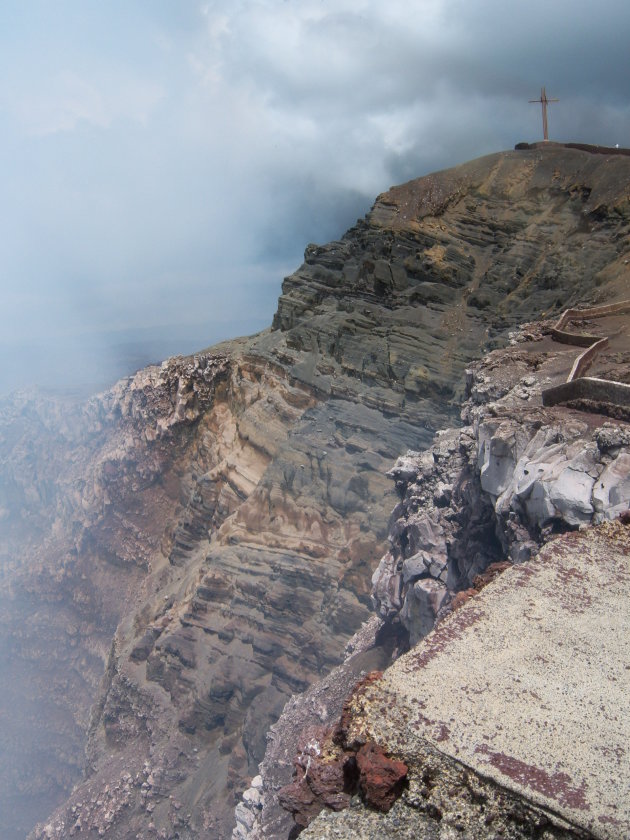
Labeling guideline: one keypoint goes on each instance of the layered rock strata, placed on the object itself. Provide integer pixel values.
(225, 510)
(86, 494)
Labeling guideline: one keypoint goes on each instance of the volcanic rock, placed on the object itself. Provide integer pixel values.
(381, 779)
(516, 474)
(445, 513)
(186, 551)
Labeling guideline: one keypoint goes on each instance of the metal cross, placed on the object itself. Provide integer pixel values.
(544, 102)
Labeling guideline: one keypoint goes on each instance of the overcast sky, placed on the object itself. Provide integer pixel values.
(165, 162)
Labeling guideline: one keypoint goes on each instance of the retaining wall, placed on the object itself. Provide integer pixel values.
(588, 388)
(578, 386)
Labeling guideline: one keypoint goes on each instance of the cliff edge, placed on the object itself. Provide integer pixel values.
(508, 716)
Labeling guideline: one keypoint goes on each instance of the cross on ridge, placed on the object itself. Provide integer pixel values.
(544, 102)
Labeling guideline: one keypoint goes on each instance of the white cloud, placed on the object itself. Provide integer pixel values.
(61, 104)
(66, 101)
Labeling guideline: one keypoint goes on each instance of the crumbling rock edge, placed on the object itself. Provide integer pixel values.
(527, 742)
(332, 766)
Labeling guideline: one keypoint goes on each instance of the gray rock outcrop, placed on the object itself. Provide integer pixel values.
(497, 488)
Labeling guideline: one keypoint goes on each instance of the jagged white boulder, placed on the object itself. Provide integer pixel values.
(493, 490)
(611, 491)
(497, 461)
(553, 481)
(570, 495)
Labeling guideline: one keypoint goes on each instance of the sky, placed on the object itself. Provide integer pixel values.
(165, 162)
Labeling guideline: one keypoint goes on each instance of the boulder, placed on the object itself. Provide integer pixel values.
(611, 491)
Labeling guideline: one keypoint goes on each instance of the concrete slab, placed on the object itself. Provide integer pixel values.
(528, 684)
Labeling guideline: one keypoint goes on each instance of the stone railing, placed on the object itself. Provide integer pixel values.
(578, 386)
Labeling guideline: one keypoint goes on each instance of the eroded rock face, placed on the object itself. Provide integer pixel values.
(86, 494)
(215, 522)
(498, 488)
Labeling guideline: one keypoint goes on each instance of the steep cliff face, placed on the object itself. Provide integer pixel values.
(481, 498)
(202, 537)
(89, 498)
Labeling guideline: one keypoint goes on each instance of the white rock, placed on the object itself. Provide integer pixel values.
(497, 462)
(251, 795)
(538, 505)
(571, 494)
(244, 818)
(611, 491)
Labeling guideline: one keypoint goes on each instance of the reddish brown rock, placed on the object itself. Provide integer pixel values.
(480, 581)
(326, 776)
(334, 763)
(493, 571)
(462, 597)
(381, 779)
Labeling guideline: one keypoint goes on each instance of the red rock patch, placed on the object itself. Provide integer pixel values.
(481, 580)
(325, 777)
(331, 766)
(381, 779)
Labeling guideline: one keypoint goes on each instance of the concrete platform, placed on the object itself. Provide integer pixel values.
(528, 686)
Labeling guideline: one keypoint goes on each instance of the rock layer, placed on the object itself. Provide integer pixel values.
(223, 513)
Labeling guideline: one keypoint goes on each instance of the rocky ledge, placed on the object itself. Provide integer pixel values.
(508, 715)
(498, 488)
